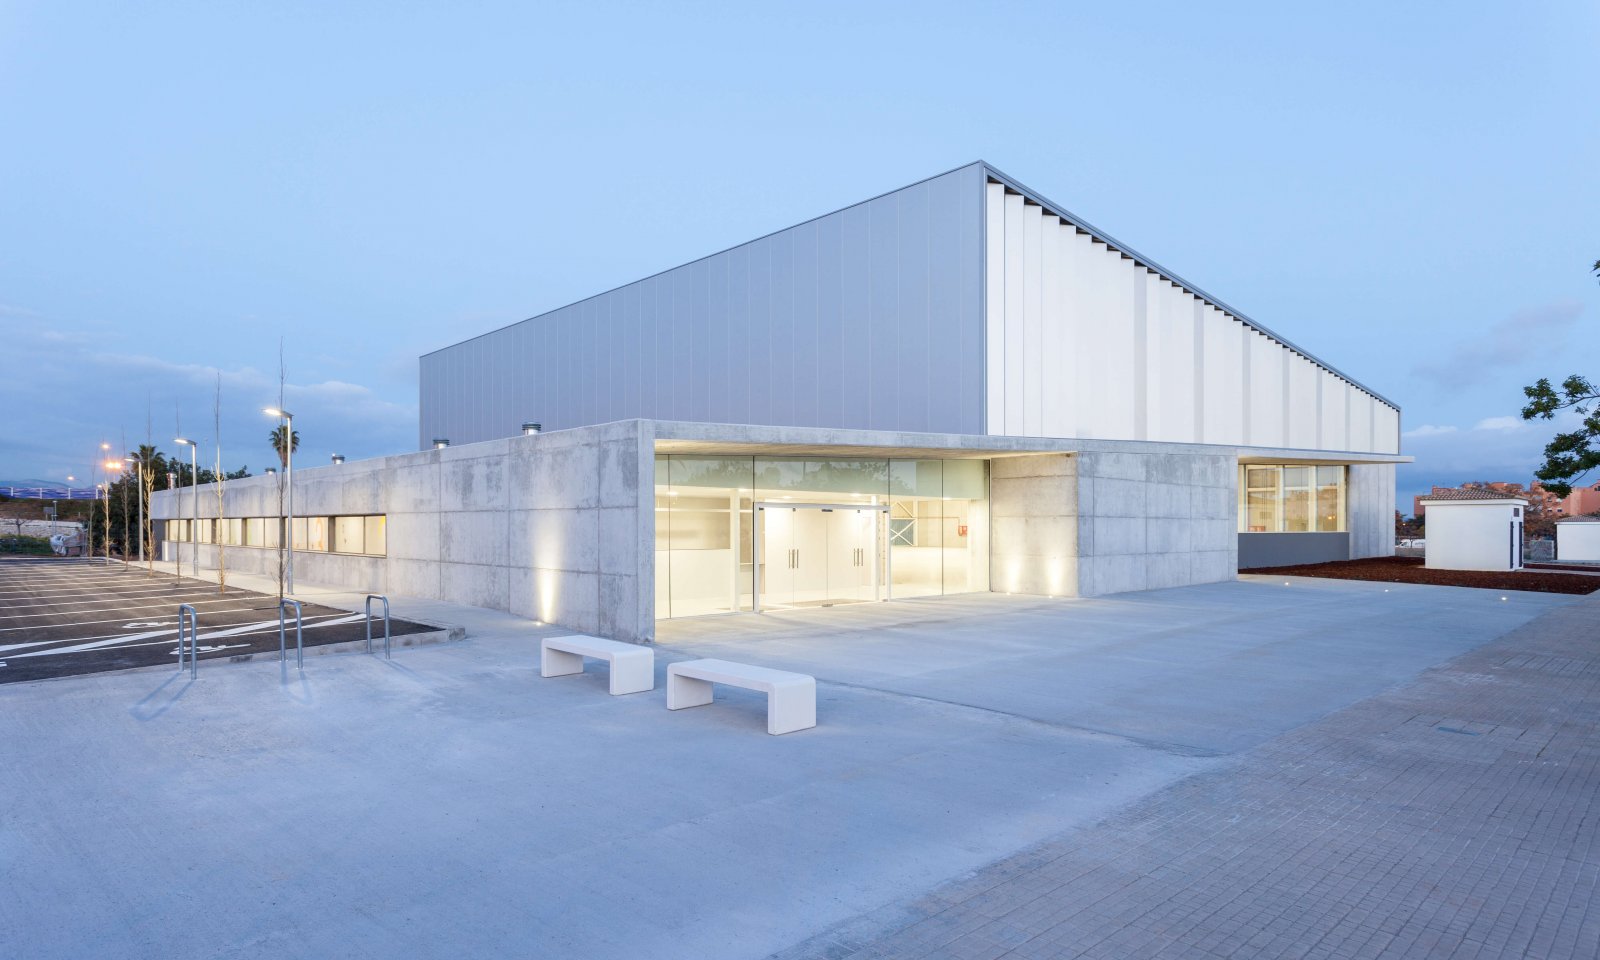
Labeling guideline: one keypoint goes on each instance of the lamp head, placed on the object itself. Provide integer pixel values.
(275, 412)
(183, 442)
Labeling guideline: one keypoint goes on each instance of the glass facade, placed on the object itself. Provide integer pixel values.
(1291, 498)
(744, 533)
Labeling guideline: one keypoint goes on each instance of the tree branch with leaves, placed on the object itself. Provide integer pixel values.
(1573, 454)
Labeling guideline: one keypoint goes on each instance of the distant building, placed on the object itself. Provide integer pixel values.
(1541, 502)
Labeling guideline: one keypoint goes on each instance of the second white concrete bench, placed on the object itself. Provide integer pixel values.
(791, 697)
(633, 668)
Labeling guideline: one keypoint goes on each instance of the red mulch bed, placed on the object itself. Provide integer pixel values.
(1411, 570)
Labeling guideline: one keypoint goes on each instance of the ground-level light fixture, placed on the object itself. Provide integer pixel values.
(439, 443)
(338, 458)
(531, 429)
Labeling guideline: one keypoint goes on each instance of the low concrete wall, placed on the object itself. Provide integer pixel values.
(556, 527)
(1289, 549)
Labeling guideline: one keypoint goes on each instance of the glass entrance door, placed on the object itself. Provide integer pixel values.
(810, 554)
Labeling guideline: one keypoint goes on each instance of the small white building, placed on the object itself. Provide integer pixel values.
(1578, 539)
(1474, 530)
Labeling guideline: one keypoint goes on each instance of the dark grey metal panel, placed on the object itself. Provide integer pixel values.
(1289, 549)
(870, 317)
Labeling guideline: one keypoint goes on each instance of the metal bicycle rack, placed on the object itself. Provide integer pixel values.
(378, 596)
(185, 611)
(299, 646)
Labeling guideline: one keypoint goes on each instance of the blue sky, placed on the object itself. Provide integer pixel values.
(1410, 191)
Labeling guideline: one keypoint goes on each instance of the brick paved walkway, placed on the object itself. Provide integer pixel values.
(1456, 816)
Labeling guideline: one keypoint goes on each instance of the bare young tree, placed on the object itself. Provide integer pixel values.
(147, 475)
(221, 536)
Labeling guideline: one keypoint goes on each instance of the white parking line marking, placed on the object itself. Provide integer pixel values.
(194, 601)
(86, 623)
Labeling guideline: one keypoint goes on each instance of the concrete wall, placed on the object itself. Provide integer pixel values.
(1033, 525)
(1369, 510)
(554, 527)
(1152, 520)
(1091, 524)
(1288, 549)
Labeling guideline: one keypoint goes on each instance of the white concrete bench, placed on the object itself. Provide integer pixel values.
(791, 697)
(633, 668)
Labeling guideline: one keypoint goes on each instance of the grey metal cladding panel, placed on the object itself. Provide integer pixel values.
(803, 321)
(759, 317)
(870, 317)
(911, 356)
(855, 360)
(830, 337)
(780, 326)
(884, 329)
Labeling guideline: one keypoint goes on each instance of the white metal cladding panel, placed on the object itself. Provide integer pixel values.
(1302, 408)
(1332, 404)
(1360, 420)
(1013, 361)
(1174, 359)
(870, 317)
(995, 307)
(1111, 355)
(1223, 377)
(1033, 315)
(1387, 431)
(1266, 392)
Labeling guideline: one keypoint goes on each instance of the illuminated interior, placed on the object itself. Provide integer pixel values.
(739, 534)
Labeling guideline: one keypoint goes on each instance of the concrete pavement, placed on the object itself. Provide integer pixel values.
(451, 803)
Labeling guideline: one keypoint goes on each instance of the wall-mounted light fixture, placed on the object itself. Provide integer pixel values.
(531, 429)
(338, 458)
(439, 443)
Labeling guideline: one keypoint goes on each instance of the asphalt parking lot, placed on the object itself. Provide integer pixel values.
(63, 617)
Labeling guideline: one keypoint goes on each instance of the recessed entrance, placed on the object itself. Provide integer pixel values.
(738, 534)
(819, 554)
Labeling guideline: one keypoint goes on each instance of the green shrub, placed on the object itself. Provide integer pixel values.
(30, 546)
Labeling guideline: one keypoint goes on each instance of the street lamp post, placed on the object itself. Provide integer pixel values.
(110, 466)
(288, 479)
(105, 520)
(194, 505)
(138, 478)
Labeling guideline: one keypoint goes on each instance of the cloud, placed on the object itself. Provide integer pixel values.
(1502, 424)
(1495, 448)
(1523, 336)
(71, 394)
(1428, 430)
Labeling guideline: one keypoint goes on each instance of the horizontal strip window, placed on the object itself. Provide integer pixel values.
(1291, 498)
(364, 535)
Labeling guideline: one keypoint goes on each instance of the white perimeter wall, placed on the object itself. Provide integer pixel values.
(1082, 342)
(1576, 541)
(1470, 536)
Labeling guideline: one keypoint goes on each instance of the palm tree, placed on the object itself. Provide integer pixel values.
(276, 439)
